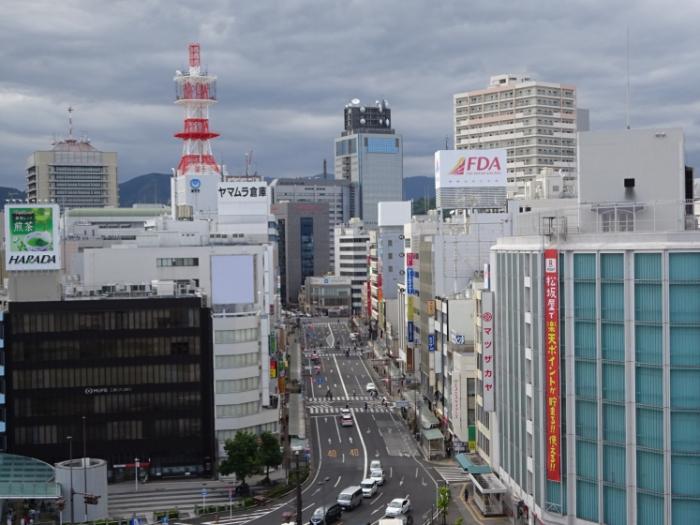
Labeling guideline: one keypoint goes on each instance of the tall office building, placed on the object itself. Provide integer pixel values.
(351, 256)
(337, 193)
(302, 246)
(369, 154)
(596, 369)
(73, 174)
(536, 122)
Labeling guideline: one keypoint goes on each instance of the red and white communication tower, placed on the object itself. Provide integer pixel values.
(196, 91)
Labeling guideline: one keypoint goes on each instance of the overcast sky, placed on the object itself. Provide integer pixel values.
(287, 68)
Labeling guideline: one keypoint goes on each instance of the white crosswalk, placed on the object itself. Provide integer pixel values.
(327, 409)
(453, 474)
(240, 519)
(323, 400)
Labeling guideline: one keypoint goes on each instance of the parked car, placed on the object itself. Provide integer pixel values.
(326, 515)
(377, 475)
(369, 487)
(397, 507)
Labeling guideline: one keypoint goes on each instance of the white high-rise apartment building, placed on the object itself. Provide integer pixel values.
(536, 122)
(351, 257)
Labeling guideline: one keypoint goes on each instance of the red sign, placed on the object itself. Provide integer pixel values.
(552, 386)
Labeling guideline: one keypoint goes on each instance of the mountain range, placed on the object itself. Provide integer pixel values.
(154, 188)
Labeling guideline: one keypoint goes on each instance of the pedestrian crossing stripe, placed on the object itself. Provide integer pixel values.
(341, 398)
(453, 474)
(320, 409)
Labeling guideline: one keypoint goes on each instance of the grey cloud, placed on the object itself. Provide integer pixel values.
(287, 67)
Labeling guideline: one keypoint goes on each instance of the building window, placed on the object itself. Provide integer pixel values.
(235, 386)
(239, 410)
(306, 229)
(236, 361)
(242, 335)
(166, 262)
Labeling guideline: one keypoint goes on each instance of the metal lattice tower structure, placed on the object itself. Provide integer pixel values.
(196, 91)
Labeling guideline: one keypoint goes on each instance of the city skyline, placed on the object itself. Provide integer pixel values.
(286, 71)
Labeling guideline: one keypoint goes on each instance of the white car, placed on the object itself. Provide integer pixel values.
(397, 507)
(377, 475)
(346, 420)
(375, 464)
(344, 411)
(370, 388)
(369, 487)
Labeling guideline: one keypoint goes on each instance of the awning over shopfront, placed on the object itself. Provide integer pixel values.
(473, 463)
(297, 422)
(433, 434)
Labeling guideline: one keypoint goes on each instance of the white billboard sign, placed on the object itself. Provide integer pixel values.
(243, 198)
(470, 168)
(232, 279)
(31, 237)
(487, 368)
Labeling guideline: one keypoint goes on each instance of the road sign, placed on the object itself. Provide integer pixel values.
(204, 492)
(320, 380)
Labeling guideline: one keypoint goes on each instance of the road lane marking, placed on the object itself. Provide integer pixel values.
(337, 481)
(416, 472)
(401, 482)
(329, 439)
(337, 428)
(340, 375)
(350, 439)
(308, 507)
(316, 491)
(343, 457)
(379, 495)
(364, 449)
(391, 472)
(376, 510)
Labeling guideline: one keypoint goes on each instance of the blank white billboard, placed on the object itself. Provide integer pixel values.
(232, 279)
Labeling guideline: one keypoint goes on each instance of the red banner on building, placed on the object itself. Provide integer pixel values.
(552, 386)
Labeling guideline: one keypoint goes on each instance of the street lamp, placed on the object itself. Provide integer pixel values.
(296, 454)
(70, 466)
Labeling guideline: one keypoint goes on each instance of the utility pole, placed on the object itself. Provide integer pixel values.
(85, 467)
(70, 465)
(296, 453)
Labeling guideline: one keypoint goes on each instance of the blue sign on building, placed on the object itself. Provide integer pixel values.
(431, 343)
(382, 145)
(409, 281)
(410, 331)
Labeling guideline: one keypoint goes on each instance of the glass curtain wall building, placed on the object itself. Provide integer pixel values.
(138, 370)
(629, 334)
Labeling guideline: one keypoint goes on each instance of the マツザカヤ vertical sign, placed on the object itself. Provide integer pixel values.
(31, 237)
(487, 337)
(552, 384)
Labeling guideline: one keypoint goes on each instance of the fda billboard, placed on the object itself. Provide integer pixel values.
(31, 237)
(470, 178)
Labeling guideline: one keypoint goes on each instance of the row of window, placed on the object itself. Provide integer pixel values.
(235, 386)
(136, 319)
(107, 377)
(99, 348)
(239, 410)
(241, 335)
(166, 262)
(131, 402)
(236, 361)
(224, 435)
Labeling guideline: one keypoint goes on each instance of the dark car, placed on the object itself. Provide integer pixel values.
(332, 514)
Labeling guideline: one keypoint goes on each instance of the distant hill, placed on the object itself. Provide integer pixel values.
(415, 188)
(151, 188)
(9, 193)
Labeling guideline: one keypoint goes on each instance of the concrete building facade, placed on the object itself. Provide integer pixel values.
(302, 245)
(536, 122)
(351, 255)
(73, 174)
(337, 193)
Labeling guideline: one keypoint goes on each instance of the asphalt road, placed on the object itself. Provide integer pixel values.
(345, 452)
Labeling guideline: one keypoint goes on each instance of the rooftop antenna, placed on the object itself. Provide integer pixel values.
(70, 122)
(627, 109)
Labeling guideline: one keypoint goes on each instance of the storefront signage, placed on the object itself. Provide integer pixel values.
(96, 390)
(240, 190)
(409, 282)
(31, 237)
(431, 342)
(487, 354)
(410, 331)
(552, 386)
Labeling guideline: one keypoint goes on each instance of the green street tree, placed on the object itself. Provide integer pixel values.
(270, 453)
(242, 456)
(443, 502)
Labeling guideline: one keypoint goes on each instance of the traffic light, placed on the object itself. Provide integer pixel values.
(60, 504)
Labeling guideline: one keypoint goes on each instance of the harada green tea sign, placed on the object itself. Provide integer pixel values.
(31, 237)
